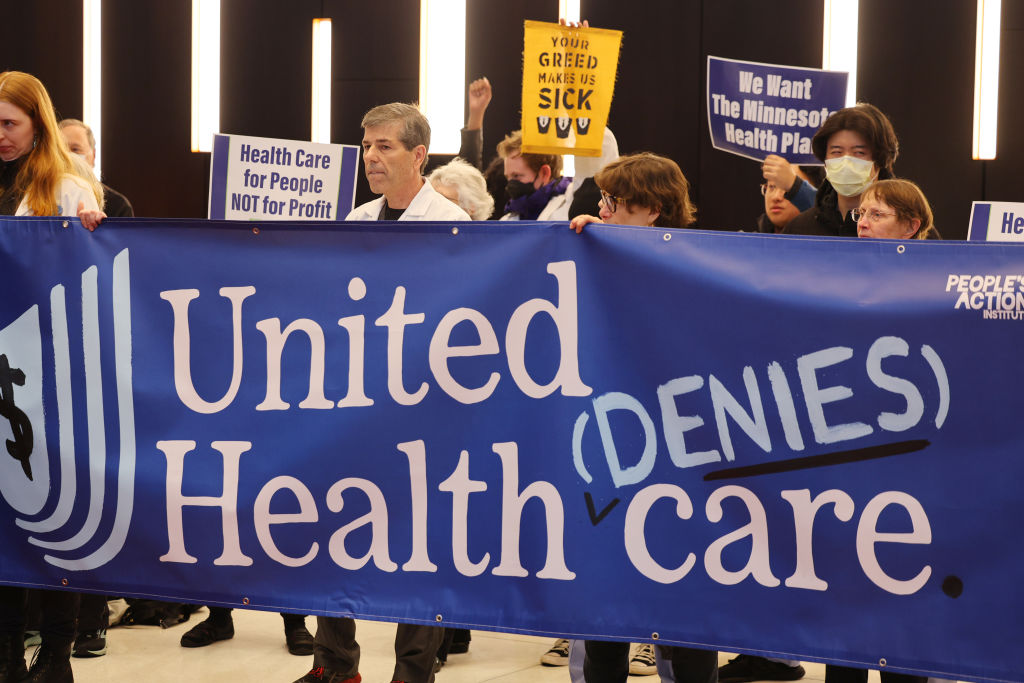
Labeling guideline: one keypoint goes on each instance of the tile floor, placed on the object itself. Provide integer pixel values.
(257, 653)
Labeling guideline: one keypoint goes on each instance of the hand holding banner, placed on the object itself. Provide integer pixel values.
(568, 82)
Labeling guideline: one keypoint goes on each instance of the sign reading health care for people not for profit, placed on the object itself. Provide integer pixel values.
(270, 179)
(759, 109)
(568, 81)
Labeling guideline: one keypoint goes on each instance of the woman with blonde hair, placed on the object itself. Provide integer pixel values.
(38, 178)
(37, 174)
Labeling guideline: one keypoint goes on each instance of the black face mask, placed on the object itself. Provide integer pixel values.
(517, 189)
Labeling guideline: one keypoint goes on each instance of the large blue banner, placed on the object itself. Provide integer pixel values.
(759, 109)
(806, 447)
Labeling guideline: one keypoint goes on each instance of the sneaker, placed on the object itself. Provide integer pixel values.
(91, 644)
(643, 662)
(299, 640)
(558, 655)
(207, 632)
(745, 668)
(321, 674)
(32, 638)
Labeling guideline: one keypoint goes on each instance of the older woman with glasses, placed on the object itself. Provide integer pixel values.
(894, 209)
(642, 189)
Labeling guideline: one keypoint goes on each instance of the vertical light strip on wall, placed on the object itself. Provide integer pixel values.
(986, 80)
(92, 86)
(320, 129)
(205, 73)
(839, 42)
(570, 11)
(442, 71)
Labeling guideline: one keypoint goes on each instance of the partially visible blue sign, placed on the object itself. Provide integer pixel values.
(997, 222)
(807, 447)
(759, 109)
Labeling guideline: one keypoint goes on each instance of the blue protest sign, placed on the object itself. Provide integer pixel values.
(284, 180)
(802, 447)
(997, 222)
(759, 109)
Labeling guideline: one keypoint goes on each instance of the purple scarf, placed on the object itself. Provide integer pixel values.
(530, 206)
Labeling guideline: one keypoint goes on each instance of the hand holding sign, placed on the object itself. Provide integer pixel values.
(778, 172)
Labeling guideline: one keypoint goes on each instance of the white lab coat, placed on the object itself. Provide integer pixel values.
(427, 205)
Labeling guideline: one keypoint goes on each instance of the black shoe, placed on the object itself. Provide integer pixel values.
(12, 658)
(321, 674)
(91, 644)
(298, 639)
(746, 668)
(51, 665)
(207, 632)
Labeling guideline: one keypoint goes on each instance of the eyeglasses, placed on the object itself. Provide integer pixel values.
(611, 202)
(873, 215)
(770, 188)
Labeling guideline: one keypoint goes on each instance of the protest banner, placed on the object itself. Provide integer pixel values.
(284, 180)
(759, 109)
(568, 82)
(800, 447)
(996, 222)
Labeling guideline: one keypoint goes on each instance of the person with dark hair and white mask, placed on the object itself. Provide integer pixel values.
(858, 146)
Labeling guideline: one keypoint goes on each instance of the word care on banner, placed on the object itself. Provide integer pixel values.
(568, 82)
(285, 180)
(799, 447)
(997, 222)
(759, 109)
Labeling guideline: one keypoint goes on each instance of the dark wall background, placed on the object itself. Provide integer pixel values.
(916, 64)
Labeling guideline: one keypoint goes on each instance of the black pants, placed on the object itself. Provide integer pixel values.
(846, 674)
(93, 613)
(59, 614)
(608, 662)
(415, 647)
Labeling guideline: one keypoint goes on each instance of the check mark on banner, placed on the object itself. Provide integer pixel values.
(596, 517)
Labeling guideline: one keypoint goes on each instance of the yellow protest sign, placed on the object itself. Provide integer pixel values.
(568, 82)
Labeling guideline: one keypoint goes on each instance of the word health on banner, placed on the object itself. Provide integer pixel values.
(759, 109)
(568, 83)
(271, 179)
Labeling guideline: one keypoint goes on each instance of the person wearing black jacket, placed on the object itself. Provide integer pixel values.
(858, 146)
(82, 142)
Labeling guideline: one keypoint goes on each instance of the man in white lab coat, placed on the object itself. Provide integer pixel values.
(395, 141)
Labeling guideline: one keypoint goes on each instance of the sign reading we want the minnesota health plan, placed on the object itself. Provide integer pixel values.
(759, 109)
(270, 179)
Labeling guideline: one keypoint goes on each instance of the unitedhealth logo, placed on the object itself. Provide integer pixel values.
(27, 481)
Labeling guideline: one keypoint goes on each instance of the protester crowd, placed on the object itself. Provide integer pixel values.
(46, 171)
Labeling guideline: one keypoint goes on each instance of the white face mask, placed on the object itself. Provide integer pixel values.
(849, 176)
